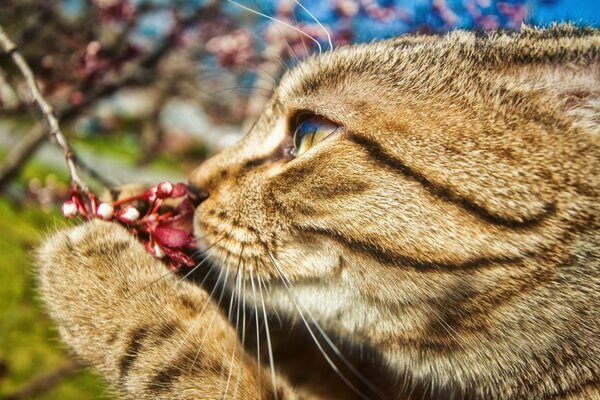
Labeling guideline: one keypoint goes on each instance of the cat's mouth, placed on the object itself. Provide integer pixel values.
(225, 242)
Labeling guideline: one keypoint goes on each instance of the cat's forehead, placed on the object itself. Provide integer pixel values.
(354, 79)
(385, 69)
(333, 68)
(419, 63)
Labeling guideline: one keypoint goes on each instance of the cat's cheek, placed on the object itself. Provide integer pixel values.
(309, 258)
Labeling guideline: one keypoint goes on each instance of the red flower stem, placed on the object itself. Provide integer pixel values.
(155, 206)
(157, 218)
(127, 200)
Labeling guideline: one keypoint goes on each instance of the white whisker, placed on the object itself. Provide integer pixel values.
(233, 296)
(233, 293)
(280, 60)
(215, 313)
(243, 307)
(287, 43)
(271, 300)
(230, 370)
(271, 362)
(201, 262)
(257, 325)
(242, 292)
(188, 332)
(336, 350)
(150, 284)
(278, 21)
(301, 38)
(318, 22)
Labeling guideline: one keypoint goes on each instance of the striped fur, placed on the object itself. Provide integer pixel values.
(450, 229)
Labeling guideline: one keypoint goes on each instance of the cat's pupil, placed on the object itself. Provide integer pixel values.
(311, 131)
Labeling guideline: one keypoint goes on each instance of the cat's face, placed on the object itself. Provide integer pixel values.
(397, 182)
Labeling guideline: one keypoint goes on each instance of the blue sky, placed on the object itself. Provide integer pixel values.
(581, 11)
(541, 12)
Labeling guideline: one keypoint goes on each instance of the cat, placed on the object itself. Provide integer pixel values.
(432, 201)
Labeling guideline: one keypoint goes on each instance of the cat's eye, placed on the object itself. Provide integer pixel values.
(311, 131)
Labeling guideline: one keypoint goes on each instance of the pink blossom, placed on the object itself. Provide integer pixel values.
(69, 209)
(105, 211)
(165, 233)
(129, 214)
(164, 189)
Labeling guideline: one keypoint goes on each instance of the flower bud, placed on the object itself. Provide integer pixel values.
(158, 252)
(179, 189)
(105, 211)
(129, 214)
(69, 209)
(164, 189)
(151, 194)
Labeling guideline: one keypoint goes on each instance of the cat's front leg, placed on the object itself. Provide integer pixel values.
(121, 311)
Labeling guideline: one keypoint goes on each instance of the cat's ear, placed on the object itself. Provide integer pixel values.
(562, 62)
(574, 88)
(413, 40)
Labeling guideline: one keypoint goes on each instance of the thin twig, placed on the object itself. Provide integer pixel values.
(137, 75)
(47, 112)
(45, 381)
(21, 152)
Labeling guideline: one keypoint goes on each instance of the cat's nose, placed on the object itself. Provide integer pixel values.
(196, 194)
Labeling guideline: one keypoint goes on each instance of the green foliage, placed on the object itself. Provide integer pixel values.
(124, 147)
(28, 343)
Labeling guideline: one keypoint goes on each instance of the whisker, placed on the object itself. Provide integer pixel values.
(243, 280)
(278, 21)
(151, 283)
(230, 370)
(242, 291)
(280, 60)
(235, 278)
(271, 362)
(306, 52)
(202, 262)
(319, 23)
(266, 74)
(233, 296)
(167, 274)
(248, 89)
(336, 350)
(257, 325)
(271, 300)
(175, 351)
(287, 43)
(215, 313)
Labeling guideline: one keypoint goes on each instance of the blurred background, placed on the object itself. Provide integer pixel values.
(147, 89)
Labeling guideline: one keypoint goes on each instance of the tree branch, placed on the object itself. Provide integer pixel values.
(20, 153)
(47, 112)
(135, 75)
(43, 382)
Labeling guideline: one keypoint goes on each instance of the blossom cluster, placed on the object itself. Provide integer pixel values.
(160, 218)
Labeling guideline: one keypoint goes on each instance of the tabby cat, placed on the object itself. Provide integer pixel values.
(429, 206)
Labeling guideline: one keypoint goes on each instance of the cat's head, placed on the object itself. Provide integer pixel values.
(419, 172)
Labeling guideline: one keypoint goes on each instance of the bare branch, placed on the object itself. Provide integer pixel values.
(47, 112)
(43, 382)
(21, 153)
(135, 75)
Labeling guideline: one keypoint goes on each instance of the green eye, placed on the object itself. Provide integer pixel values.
(311, 131)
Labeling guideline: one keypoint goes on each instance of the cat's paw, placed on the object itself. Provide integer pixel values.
(86, 271)
(126, 314)
(95, 249)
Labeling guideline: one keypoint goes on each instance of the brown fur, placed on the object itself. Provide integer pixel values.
(451, 227)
